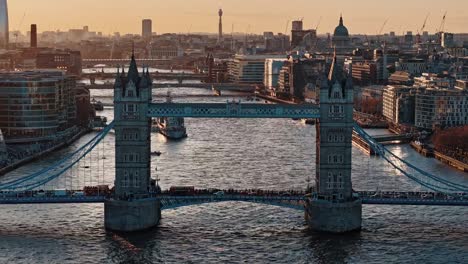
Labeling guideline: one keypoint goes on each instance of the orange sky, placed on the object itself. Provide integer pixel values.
(361, 16)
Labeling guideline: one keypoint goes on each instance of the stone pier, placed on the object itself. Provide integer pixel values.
(331, 217)
(130, 216)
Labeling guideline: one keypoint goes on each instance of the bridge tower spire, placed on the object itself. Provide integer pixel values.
(333, 207)
(128, 210)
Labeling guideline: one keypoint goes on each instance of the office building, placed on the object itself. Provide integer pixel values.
(248, 68)
(398, 104)
(36, 105)
(441, 107)
(301, 38)
(147, 28)
(272, 72)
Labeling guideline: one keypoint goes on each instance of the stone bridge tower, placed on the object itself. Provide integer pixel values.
(334, 208)
(128, 211)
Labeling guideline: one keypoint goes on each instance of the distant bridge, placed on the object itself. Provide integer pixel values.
(154, 75)
(120, 62)
(217, 86)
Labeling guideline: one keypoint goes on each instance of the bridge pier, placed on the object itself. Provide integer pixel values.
(130, 216)
(325, 216)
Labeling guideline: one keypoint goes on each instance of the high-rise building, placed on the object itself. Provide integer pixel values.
(302, 38)
(4, 31)
(33, 36)
(220, 26)
(147, 28)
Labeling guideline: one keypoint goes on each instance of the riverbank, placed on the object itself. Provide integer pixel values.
(451, 161)
(430, 153)
(38, 155)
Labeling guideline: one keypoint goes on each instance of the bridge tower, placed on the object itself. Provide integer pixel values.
(334, 208)
(128, 210)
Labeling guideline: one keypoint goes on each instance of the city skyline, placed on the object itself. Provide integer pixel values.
(254, 16)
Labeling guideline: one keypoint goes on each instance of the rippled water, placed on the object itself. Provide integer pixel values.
(229, 153)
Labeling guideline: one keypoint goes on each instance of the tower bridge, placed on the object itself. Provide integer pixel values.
(133, 204)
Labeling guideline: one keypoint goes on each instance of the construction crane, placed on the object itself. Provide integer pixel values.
(287, 27)
(422, 29)
(442, 24)
(381, 29)
(318, 24)
(19, 26)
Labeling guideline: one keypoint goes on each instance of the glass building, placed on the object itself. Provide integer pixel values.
(4, 31)
(36, 104)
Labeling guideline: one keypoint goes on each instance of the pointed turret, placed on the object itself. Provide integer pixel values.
(133, 70)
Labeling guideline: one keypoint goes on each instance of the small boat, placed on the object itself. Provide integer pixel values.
(98, 105)
(171, 127)
(156, 153)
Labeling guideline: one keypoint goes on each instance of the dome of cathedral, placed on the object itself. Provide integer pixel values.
(341, 30)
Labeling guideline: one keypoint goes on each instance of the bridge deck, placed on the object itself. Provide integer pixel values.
(295, 202)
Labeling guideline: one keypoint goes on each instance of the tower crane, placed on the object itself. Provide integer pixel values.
(441, 28)
(381, 29)
(422, 28)
(442, 24)
(318, 24)
(19, 26)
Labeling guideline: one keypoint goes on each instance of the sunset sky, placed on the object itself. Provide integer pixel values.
(360, 16)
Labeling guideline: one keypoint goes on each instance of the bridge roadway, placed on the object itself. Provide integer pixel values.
(154, 76)
(217, 86)
(282, 199)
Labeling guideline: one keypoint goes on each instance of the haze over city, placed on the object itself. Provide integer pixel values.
(362, 16)
(233, 131)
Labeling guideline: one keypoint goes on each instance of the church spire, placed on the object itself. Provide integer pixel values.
(341, 20)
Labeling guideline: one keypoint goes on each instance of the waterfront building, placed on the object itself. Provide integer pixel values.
(66, 60)
(146, 28)
(36, 104)
(272, 72)
(248, 68)
(436, 107)
(4, 29)
(398, 104)
(217, 70)
(300, 77)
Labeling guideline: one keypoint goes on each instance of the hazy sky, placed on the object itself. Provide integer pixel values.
(361, 16)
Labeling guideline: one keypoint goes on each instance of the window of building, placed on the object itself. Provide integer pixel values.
(136, 179)
(125, 180)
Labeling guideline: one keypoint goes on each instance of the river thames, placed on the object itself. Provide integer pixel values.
(241, 154)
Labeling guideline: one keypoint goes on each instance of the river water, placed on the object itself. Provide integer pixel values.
(230, 153)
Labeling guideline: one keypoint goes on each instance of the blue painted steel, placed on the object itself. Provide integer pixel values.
(233, 110)
(428, 180)
(57, 169)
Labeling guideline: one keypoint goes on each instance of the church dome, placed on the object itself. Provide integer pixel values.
(341, 30)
